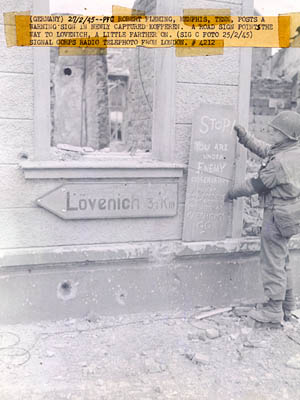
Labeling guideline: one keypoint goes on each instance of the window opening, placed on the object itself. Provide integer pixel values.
(101, 102)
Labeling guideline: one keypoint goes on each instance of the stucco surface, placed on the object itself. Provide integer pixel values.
(16, 96)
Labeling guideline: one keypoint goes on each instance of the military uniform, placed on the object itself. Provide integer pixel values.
(278, 184)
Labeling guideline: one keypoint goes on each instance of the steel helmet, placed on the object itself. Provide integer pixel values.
(288, 123)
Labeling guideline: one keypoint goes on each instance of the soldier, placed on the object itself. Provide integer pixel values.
(278, 184)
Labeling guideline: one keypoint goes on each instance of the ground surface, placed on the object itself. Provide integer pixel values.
(153, 356)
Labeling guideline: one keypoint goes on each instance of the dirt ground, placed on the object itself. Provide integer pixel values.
(151, 356)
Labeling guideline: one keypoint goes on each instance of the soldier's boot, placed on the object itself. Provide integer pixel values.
(270, 314)
(288, 305)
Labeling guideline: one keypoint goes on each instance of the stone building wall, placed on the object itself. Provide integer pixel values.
(148, 6)
(268, 98)
(260, 56)
(120, 265)
(118, 63)
(16, 106)
(285, 63)
(138, 64)
(138, 124)
(79, 100)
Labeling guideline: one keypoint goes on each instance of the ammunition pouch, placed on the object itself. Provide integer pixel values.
(287, 216)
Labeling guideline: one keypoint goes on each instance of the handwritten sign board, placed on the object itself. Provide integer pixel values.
(112, 200)
(210, 174)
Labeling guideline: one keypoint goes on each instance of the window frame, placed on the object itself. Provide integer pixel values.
(161, 159)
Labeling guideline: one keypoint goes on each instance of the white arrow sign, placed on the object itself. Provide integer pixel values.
(112, 200)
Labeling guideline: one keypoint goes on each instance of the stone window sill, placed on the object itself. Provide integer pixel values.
(101, 169)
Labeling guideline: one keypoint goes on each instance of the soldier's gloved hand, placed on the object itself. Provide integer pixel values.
(240, 131)
(229, 196)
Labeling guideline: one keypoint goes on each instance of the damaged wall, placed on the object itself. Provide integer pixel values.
(285, 63)
(116, 265)
(128, 279)
(268, 98)
(274, 88)
(138, 122)
(79, 100)
(146, 277)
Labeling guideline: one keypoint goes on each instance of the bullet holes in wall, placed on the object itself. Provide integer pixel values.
(23, 156)
(121, 297)
(67, 290)
(68, 71)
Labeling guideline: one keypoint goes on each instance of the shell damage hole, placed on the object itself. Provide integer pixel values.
(121, 297)
(66, 290)
(66, 287)
(68, 71)
(23, 156)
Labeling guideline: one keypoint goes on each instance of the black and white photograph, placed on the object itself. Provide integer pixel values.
(150, 206)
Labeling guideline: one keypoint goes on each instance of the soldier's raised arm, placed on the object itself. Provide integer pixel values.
(248, 188)
(256, 146)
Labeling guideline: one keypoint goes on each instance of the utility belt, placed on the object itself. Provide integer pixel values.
(287, 216)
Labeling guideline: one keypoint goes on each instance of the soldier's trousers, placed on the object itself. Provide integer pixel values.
(276, 273)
